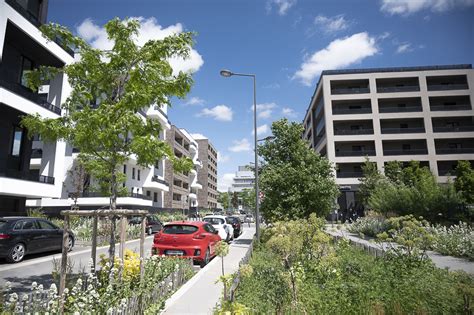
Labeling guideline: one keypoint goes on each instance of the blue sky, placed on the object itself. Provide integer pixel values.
(286, 43)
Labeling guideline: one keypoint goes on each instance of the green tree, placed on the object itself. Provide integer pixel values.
(369, 182)
(248, 198)
(224, 199)
(296, 181)
(235, 200)
(109, 89)
(464, 181)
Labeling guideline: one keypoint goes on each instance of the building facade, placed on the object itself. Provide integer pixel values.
(403, 114)
(23, 48)
(207, 175)
(244, 179)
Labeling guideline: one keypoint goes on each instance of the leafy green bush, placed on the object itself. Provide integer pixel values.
(456, 240)
(369, 226)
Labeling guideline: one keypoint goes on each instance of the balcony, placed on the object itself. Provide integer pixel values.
(355, 90)
(349, 174)
(349, 87)
(403, 130)
(341, 153)
(435, 108)
(454, 150)
(453, 128)
(28, 176)
(29, 95)
(395, 85)
(405, 152)
(395, 89)
(447, 83)
(156, 179)
(345, 111)
(94, 194)
(400, 109)
(362, 131)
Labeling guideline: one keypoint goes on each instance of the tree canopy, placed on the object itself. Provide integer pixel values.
(296, 181)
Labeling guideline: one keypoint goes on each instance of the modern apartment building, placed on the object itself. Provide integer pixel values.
(244, 179)
(207, 175)
(22, 48)
(386, 114)
(184, 187)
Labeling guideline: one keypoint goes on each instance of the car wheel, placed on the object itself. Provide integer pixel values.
(149, 231)
(70, 243)
(206, 258)
(16, 253)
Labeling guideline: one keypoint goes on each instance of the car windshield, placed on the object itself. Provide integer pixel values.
(214, 221)
(179, 229)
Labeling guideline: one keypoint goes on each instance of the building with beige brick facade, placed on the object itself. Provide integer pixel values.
(207, 175)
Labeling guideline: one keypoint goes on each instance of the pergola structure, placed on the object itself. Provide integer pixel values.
(95, 214)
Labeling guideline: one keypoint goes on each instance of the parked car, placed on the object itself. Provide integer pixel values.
(153, 224)
(236, 224)
(194, 239)
(21, 236)
(226, 231)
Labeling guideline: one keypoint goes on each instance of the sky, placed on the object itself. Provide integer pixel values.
(285, 43)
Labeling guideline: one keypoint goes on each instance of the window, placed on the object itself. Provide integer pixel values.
(148, 193)
(454, 145)
(25, 225)
(358, 148)
(26, 65)
(403, 126)
(125, 169)
(155, 197)
(16, 141)
(44, 225)
(406, 147)
(138, 174)
(356, 127)
(133, 173)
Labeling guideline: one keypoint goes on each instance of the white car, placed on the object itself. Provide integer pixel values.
(226, 231)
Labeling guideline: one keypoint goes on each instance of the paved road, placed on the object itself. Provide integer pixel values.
(39, 267)
(201, 293)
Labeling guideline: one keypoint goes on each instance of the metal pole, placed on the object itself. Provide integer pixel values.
(257, 213)
(62, 276)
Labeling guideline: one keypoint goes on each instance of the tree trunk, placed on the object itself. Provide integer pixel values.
(113, 206)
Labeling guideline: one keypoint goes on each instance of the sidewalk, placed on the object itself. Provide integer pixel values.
(201, 293)
(452, 263)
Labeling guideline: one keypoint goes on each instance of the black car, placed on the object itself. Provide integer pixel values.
(153, 224)
(236, 224)
(20, 236)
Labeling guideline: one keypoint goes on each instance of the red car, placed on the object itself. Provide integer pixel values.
(194, 239)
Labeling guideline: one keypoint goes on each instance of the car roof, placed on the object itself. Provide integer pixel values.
(217, 216)
(196, 223)
(19, 218)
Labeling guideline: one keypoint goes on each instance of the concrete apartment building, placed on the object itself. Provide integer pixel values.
(207, 175)
(244, 179)
(22, 48)
(387, 114)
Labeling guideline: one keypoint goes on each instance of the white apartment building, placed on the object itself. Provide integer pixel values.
(244, 179)
(387, 114)
(22, 48)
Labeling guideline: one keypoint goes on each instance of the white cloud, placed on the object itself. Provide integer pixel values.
(383, 36)
(219, 112)
(288, 112)
(225, 182)
(264, 110)
(340, 53)
(261, 130)
(222, 158)
(194, 101)
(198, 136)
(282, 6)
(407, 7)
(240, 145)
(405, 47)
(331, 24)
(149, 30)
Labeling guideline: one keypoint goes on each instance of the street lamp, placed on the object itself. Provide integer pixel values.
(228, 73)
(267, 138)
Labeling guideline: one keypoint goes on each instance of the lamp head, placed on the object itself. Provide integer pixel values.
(226, 73)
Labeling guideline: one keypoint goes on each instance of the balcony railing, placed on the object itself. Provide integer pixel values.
(349, 174)
(405, 152)
(355, 153)
(343, 111)
(365, 131)
(450, 107)
(28, 94)
(453, 128)
(446, 87)
(403, 130)
(390, 89)
(156, 179)
(29, 177)
(454, 150)
(400, 109)
(96, 194)
(350, 90)
(446, 172)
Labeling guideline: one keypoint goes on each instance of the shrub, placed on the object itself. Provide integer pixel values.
(369, 226)
(456, 240)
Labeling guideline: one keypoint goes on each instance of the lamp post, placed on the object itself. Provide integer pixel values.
(227, 73)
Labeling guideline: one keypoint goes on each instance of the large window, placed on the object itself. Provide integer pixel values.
(16, 141)
(26, 65)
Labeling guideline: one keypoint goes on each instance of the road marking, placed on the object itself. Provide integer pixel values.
(58, 256)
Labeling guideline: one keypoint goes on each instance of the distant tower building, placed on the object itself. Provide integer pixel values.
(244, 179)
